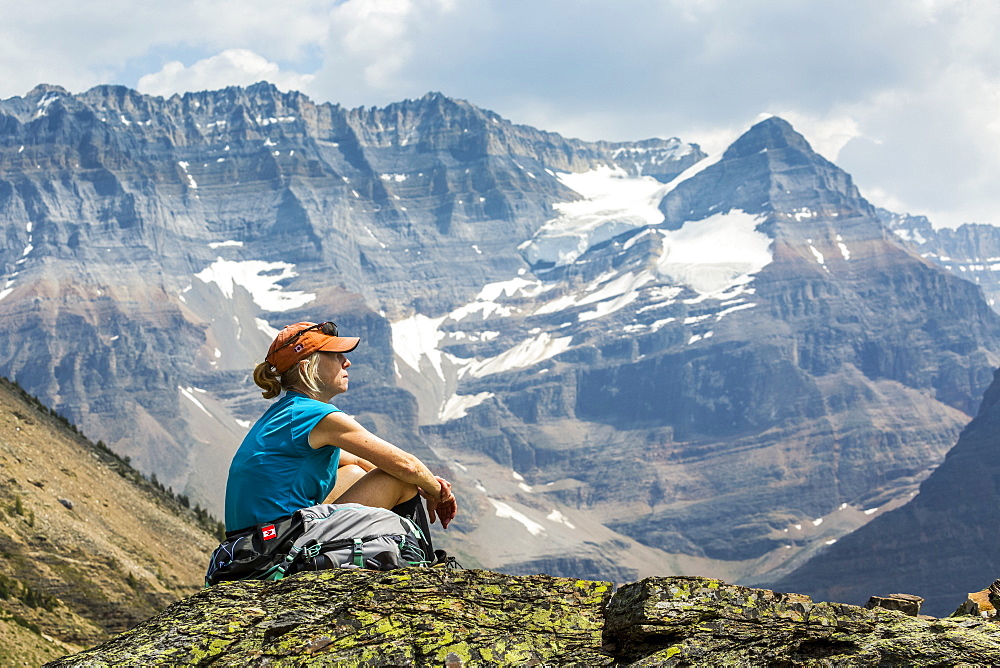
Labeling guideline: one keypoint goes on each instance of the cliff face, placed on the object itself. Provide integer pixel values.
(478, 618)
(970, 250)
(699, 364)
(742, 423)
(936, 544)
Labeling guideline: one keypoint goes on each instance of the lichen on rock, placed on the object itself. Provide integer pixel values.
(431, 617)
(692, 621)
(357, 617)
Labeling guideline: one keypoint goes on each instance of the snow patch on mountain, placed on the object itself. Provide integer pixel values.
(262, 325)
(913, 236)
(188, 392)
(716, 253)
(261, 279)
(612, 202)
(190, 179)
(486, 302)
(608, 295)
(457, 405)
(504, 511)
(707, 255)
(417, 338)
(844, 250)
(525, 354)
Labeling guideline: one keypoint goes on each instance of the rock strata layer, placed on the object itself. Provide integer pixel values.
(481, 618)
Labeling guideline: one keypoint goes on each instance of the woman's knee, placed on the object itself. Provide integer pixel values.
(347, 476)
(379, 488)
(352, 471)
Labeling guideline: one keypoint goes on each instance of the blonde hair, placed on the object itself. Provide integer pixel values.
(305, 372)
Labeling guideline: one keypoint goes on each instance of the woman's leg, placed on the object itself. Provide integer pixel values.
(378, 489)
(346, 477)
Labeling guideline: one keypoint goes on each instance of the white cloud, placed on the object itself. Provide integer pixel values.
(375, 49)
(232, 67)
(826, 134)
(79, 45)
(931, 149)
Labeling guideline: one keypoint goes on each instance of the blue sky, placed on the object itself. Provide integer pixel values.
(903, 94)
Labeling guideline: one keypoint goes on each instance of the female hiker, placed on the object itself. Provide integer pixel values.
(305, 451)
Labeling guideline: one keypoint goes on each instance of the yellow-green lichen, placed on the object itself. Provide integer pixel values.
(462, 650)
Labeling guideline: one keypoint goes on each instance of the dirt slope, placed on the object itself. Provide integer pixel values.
(88, 548)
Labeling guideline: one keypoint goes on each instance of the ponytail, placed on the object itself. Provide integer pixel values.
(304, 371)
(268, 379)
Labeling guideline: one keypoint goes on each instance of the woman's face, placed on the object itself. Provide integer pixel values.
(333, 372)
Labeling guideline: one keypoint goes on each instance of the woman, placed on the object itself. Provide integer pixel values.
(304, 451)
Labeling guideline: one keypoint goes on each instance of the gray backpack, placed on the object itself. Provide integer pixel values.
(349, 535)
(346, 535)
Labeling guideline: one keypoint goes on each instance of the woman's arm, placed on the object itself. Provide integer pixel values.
(345, 432)
(347, 459)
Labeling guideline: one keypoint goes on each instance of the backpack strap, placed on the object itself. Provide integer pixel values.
(414, 511)
(358, 554)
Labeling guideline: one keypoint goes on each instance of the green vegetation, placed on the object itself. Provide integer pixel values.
(25, 514)
(20, 621)
(11, 589)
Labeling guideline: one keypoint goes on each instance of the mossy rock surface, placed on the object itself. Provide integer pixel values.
(683, 621)
(431, 617)
(404, 618)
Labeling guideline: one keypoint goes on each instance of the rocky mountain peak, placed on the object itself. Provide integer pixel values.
(41, 90)
(768, 135)
(771, 171)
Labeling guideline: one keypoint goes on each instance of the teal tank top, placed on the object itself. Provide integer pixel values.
(274, 471)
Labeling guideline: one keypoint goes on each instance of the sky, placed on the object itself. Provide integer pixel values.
(903, 94)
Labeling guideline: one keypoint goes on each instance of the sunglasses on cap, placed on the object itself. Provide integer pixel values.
(329, 328)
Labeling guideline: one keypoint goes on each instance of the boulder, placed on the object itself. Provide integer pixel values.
(357, 617)
(981, 603)
(416, 617)
(908, 604)
(698, 621)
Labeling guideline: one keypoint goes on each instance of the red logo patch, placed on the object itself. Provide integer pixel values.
(269, 532)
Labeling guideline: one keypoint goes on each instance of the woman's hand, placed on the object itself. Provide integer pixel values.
(445, 507)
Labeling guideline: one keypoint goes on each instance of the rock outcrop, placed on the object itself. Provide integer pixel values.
(417, 617)
(970, 250)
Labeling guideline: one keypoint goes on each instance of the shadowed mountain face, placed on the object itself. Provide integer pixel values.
(938, 544)
(632, 358)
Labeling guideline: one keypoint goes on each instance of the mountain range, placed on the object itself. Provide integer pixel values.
(632, 358)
